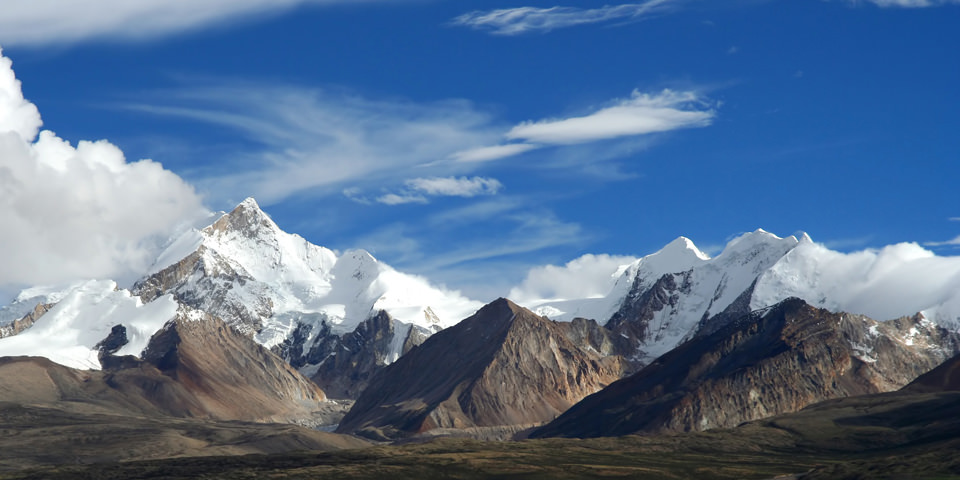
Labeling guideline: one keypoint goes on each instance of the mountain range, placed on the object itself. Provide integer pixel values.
(240, 320)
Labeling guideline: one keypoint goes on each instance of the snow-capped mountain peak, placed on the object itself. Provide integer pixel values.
(248, 271)
(677, 256)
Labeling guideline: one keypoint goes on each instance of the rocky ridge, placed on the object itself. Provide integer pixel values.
(339, 318)
(772, 361)
(503, 366)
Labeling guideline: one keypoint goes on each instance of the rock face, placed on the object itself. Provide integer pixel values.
(339, 318)
(19, 325)
(217, 372)
(772, 361)
(667, 297)
(944, 378)
(196, 366)
(343, 365)
(502, 366)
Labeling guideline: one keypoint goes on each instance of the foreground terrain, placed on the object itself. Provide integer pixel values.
(908, 434)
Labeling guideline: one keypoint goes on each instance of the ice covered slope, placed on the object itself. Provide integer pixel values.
(69, 332)
(664, 298)
(246, 270)
(660, 299)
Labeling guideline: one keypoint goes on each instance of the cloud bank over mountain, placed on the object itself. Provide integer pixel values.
(78, 211)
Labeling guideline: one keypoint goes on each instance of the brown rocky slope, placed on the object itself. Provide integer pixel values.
(503, 366)
(196, 366)
(770, 362)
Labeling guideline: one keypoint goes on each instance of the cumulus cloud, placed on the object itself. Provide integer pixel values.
(77, 212)
(884, 283)
(638, 115)
(520, 20)
(418, 189)
(45, 22)
(589, 276)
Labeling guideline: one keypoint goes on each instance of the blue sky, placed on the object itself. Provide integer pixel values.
(471, 140)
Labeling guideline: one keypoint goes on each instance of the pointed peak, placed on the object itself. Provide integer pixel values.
(500, 307)
(248, 207)
(677, 256)
(684, 246)
(246, 217)
(250, 203)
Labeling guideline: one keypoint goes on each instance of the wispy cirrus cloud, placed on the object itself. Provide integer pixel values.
(640, 114)
(486, 154)
(456, 187)
(529, 20)
(314, 141)
(954, 242)
(418, 189)
(47, 22)
(908, 3)
(521, 20)
(486, 266)
(320, 142)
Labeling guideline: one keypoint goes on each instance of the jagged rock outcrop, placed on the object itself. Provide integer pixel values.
(773, 361)
(342, 365)
(646, 314)
(502, 366)
(108, 347)
(319, 310)
(205, 280)
(27, 321)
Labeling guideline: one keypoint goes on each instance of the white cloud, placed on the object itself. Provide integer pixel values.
(456, 187)
(524, 20)
(641, 114)
(395, 199)
(319, 142)
(638, 115)
(313, 141)
(589, 276)
(520, 20)
(45, 22)
(885, 283)
(909, 3)
(77, 212)
(418, 189)
(483, 267)
(946, 243)
(496, 152)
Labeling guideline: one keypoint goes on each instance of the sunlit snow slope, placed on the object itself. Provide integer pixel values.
(678, 290)
(246, 270)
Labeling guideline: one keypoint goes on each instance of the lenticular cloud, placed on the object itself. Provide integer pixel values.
(77, 212)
